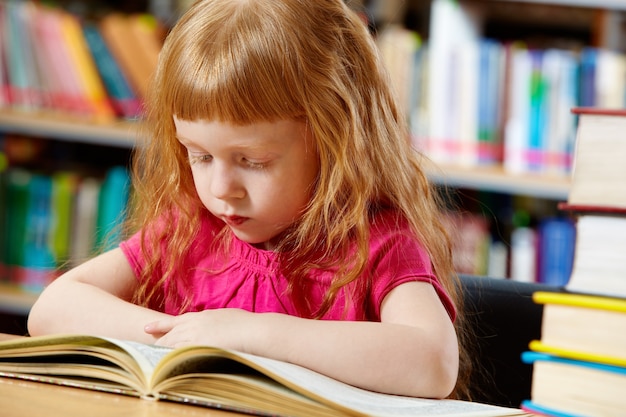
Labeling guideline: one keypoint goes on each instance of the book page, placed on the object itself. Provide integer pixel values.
(326, 390)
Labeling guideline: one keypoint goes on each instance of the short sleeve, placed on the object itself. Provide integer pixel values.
(399, 257)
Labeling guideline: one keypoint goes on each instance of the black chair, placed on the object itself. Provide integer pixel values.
(505, 319)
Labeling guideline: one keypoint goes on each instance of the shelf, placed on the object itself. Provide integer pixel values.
(63, 127)
(14, 300)
(495, 179)
(595, 4)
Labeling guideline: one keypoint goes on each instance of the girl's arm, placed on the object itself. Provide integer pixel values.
(93, 299)
(413, 351)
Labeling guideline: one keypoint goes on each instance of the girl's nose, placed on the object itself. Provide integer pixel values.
(225, 183)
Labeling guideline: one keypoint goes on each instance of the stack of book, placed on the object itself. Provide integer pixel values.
(579, 364)
(597, 199)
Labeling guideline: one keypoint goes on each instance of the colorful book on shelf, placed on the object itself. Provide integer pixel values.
(64, 188)
(599, 170)
(38, 267)
(517, 129)
(23, 77)
(123, 98)
(81, 59)
(5, 98)
(560, 72)
(211, 377)
(583, 327)
(491, 81)
(112, 202)
(570, 387)
(127, 39)
(17, 191)
(84, 220)
(555, 254)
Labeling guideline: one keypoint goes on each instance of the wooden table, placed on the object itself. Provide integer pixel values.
(34, 399)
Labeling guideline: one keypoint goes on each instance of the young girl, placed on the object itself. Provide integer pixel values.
(279, 208)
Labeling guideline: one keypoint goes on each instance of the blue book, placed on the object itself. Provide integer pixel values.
(533, 408)
(587, 77)
(557, 239)
(538, 117)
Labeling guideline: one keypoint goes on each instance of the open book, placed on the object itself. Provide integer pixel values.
(210, 377)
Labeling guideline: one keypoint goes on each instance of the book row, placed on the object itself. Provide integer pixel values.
(477, 101)
(52, 221)
(51, 59)
(541, 253)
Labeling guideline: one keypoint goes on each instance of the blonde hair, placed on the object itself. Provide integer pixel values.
(245, 61)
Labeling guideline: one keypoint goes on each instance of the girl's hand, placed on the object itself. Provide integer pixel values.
(225, 328)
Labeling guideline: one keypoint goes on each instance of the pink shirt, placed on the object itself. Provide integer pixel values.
(251, 279)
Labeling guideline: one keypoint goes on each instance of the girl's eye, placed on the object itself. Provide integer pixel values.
(253, 164)
(194, 159)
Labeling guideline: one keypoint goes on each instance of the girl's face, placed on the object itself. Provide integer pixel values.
(257, 178)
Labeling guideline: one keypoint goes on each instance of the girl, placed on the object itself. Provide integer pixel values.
(279, 208)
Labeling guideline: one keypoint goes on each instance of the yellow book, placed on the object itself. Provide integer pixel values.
(92, 85)
(538, 346)
(584, 327)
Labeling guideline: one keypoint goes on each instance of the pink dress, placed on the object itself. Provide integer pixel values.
(251, 279)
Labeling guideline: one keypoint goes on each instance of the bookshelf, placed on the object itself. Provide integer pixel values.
(65, 127)
(121, 134)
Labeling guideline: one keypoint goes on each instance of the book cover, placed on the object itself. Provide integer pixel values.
(67, 93)
(582, 209)
(212, 377)
(128, 40)
(18, 183)
(540, 410)
(39, 265)
(112, 202)
(576, 387)
(91, 85)
(517, 130)
(124, 99)
(491, 85)
(560, 69)
(84, 220)
(557, 239)
(22, 75)
(539, 118)
(64, 187)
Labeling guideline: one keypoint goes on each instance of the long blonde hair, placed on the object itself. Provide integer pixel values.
(244, 61)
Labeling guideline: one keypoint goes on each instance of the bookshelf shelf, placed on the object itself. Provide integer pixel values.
(496, 179)
(69, 128)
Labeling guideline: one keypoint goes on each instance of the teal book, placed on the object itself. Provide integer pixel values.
(122, 96)
(17, 186)
(38, 262)
(3, 203)
(563, 387)
(112, 203)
